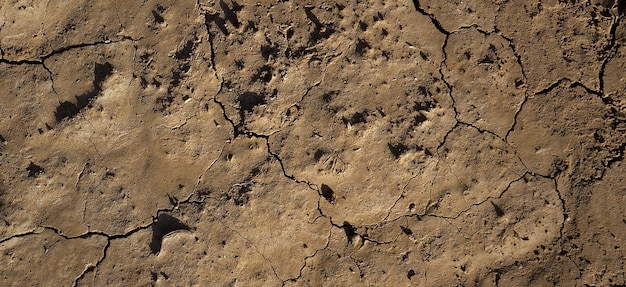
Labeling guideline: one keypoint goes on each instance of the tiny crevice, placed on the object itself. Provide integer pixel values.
(611, 49)
(21, 62)
(474, 26)
(236, 131)
(450, 88)
(91, 268)
(519, 62)
(562, 200)
(41, 59)
(551, 87)
(562, 227)
(519, 110)
(295, 279)
(109, 237)
(401, 196)
(210, 37)
(504, 140)
(43, 63)
(19, 235)
(445, 137)
(256, 249)
(489, 198)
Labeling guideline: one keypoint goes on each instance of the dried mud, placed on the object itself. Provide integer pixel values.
(273, 143)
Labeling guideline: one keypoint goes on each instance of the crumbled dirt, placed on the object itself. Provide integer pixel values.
(343, 143)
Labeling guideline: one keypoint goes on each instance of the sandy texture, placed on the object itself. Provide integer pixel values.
(343, 143)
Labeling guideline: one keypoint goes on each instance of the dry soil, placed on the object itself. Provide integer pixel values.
(312, 143)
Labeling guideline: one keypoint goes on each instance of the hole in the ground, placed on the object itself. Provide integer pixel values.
(318, 154)
(69, 110)
(406, 230)
(249, 100)
(328, 193)
(410, 274)
(185, 51)
(157, 17)
(34, 170)
(356, 118)
(162, 226)
(397, 149)
(497, 209)
(263, 74)
(230, 13)
(362, 46)
(350, 231)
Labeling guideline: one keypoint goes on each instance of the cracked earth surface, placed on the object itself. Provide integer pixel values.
(272, 143)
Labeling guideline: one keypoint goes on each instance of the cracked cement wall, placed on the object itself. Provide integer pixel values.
(272, 143)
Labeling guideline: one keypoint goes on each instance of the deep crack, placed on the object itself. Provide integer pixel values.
(431, 16)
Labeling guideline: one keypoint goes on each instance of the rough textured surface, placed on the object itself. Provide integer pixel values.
(272, 143)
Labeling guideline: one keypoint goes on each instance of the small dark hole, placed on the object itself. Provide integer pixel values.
(249, 100)
(497, 209)
(406, 230)
(349, 230)
(378, 17)
(327, 97)
(34, 170)
(264, 74)
(186, 51)
(362, 46)
(362, 25)
(327, 193)
(230, 13)
(157, 17)
(318, 154)
(356, 118)
(397, 149)
(164, 275)
(163, 225)
(268, 51)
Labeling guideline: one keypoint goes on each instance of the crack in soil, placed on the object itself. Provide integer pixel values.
(41, 59)
(611, 51)
(256, 249)
(295, 279)
(431, 16)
